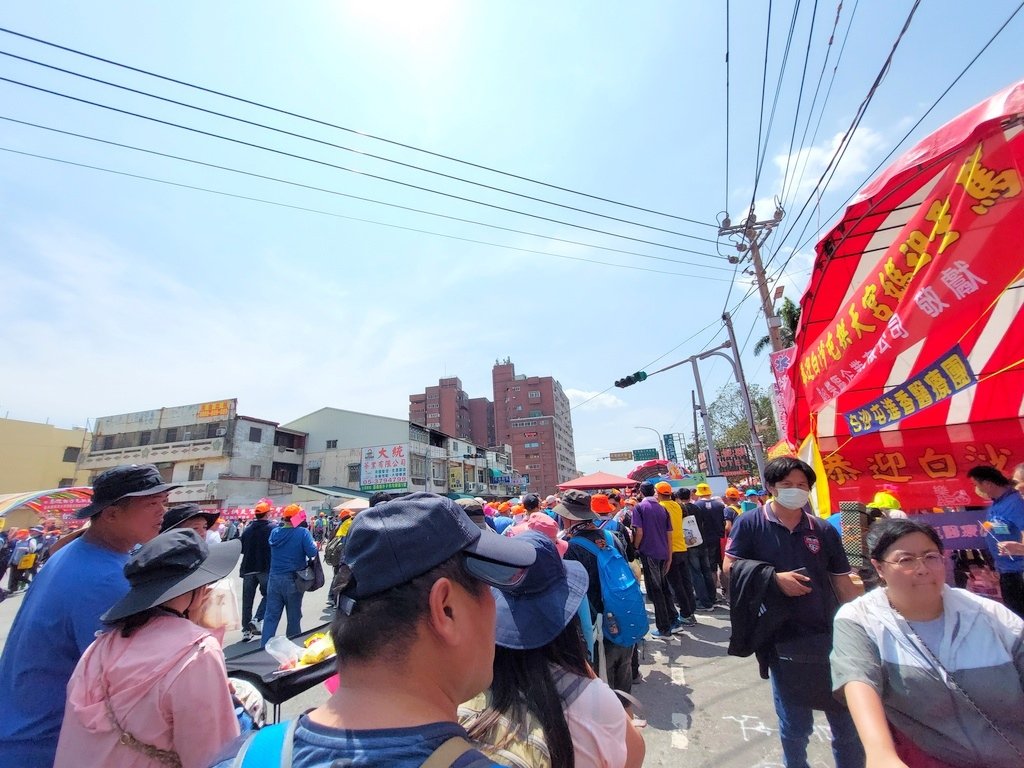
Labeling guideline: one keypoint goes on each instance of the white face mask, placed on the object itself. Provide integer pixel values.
(792, 498)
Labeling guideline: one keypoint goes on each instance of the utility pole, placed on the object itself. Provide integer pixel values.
(755, 438)
(696, 437)
(748, 238)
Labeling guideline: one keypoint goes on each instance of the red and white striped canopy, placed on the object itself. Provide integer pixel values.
(923, 272)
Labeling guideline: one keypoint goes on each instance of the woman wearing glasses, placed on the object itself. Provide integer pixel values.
(933, 676)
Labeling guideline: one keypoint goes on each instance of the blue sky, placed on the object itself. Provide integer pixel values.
(121, 294)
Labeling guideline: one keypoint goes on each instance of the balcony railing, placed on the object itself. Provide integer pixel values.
(188, 450)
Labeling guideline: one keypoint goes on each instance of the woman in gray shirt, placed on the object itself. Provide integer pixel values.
(928, 668)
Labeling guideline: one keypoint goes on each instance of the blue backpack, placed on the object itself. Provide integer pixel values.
(625, 616)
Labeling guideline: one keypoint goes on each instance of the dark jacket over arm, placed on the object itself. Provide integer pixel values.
(757, 608)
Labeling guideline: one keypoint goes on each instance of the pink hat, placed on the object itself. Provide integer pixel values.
(542, 523)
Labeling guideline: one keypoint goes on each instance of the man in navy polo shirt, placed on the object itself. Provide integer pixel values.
(812, 570)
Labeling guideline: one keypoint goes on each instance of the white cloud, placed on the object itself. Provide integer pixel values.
(592, 401)
(807, 165)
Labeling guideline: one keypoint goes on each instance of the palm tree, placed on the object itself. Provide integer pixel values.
(789, 313)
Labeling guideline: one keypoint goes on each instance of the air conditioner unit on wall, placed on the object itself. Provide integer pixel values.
(222, 431)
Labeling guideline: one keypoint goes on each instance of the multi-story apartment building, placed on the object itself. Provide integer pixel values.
(220, 458)
(364, 452)
(481, 421)
(444, 408)
(531, 413)
(37, 457)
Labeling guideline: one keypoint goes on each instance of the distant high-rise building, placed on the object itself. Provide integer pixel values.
(444, 408)
(531, 413)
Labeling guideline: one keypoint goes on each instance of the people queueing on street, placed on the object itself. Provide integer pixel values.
(679, 580)
(751, 500)
(932, 675)
(545, 706)
(733, 506)
(255, 569)
(61, 611)
(1004, 525)
(190, 516)
(652, 538)
(152, 689)
(6, 547)
(414, 633)
(474, 510)
(702, 572)
(412, 621)
(714, 511)
(291, 547)
(612, 656)
(24, 553)
(796, 558)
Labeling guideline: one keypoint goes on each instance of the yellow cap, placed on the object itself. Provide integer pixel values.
(885, 500)
(703, 489)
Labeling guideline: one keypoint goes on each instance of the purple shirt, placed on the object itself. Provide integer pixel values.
(650, 517)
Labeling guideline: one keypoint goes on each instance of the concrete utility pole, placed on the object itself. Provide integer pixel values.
(755, 439)
(752, 234)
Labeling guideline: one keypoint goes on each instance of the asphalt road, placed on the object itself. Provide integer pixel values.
(703, 707)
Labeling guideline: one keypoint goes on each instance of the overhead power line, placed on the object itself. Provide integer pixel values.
(316, 121)
(334, 145)
(314, 188)
(283, 153)
(800, 96)
(844, 143)
(775, 98)
(817, 88)
(760, 119)
(250, 198)
(914, 127)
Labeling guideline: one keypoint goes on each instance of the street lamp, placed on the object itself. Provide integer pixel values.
(661, 452)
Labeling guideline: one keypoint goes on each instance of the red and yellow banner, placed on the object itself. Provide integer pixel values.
(951, 260)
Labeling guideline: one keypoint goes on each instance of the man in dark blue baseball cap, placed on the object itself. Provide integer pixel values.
(414, 635)
(61, 611)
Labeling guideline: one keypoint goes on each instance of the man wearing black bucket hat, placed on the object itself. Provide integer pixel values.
(414, 635)
(61, 611)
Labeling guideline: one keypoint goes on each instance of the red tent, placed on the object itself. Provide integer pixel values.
(596, 482)
(909, 360)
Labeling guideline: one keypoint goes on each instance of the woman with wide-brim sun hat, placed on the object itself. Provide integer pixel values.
(545, 706)
(152, 690)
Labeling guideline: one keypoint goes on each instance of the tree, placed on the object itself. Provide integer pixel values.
(728, 415)
(789, 314)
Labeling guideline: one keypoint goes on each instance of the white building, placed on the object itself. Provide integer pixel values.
(347, 449)
(219, 457)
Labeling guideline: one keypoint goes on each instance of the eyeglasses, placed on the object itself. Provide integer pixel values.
(494, 573)
(909, 562)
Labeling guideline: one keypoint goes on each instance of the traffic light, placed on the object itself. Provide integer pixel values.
(632, 379)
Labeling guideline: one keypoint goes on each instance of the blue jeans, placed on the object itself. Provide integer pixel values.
(796, 724)
(282, 595)
(249, 583)
(702, 575)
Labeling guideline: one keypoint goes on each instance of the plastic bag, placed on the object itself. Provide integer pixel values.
(220, 608)
(284, 651)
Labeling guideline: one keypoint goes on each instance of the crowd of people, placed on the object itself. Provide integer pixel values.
(472, 633)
